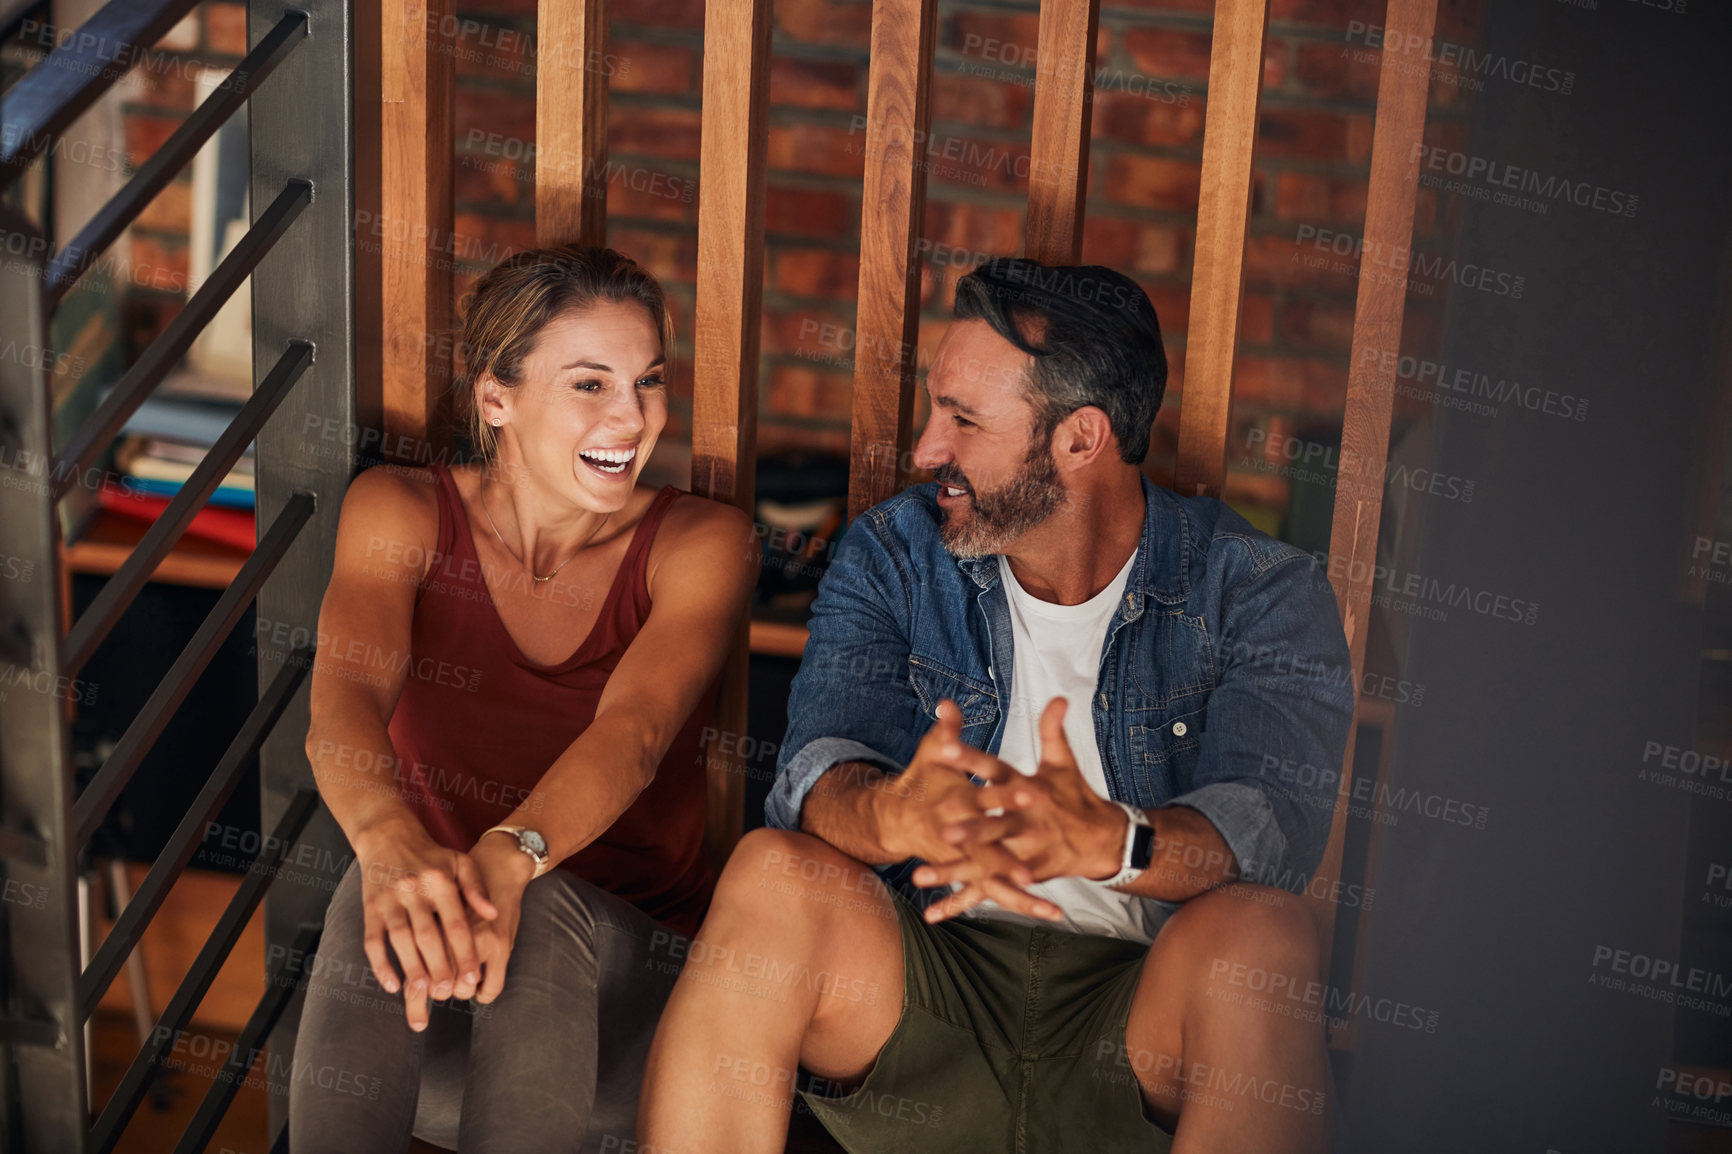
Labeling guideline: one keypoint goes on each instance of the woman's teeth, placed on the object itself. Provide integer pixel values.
(610, 460)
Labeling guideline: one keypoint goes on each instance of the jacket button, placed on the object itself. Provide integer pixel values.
(1179, 729)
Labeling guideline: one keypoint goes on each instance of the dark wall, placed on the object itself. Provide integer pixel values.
(1589, 862)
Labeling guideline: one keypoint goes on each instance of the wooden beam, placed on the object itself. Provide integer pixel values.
(1218, 271)
(730, 284)
(1400, 126)
(1058, 170)
(893, 201)
(415, 219)
(571, 122)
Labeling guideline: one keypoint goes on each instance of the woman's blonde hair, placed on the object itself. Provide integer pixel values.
(505, 313)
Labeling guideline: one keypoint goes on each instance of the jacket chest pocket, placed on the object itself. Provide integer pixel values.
(1172, 664)
(933, 681)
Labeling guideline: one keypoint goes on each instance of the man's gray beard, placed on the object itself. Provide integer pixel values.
(1032, 496)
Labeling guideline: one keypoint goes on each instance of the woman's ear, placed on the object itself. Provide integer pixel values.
(490, 400)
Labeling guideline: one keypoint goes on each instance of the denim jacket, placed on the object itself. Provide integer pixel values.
(1224, 685)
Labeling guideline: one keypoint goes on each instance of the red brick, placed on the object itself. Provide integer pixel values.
(810, 212)
(145, 134)
(491, 180)
(1136, 119)
(818, 333)
(816, 272)
(660, 68)
(498, 115)
(1298, 383)
(650, 193)
(820, 149)
(826, 22)
(1257, 319)
(815, 394)
(980, 101)
(1161, 6)
(971, 228)
(1275, 63)
(1314, 135)
(670, 257)
(1319, 199)
(1153, 182)
(647, 13)
(997, 38)
(225, 27)
(1313, 322)
(1133, 246)
(495, 51)
(484, 240)
(1277, 259)
(674, 132)
(1333, 14)
(1336, 71)
(833, 84)
(1167, 52)
(959, 159)
(1173, 309)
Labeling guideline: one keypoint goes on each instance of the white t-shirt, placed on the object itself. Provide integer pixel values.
(1057, 653)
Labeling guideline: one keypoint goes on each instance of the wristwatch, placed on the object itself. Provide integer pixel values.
(530, 843)
(1139, 847)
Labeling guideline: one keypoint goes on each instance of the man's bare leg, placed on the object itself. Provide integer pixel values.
(1226, 1033)
(798, 963)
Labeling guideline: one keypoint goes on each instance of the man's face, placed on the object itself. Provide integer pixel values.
(997, 479)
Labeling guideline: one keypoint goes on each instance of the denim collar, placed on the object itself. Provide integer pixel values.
(1159, 571)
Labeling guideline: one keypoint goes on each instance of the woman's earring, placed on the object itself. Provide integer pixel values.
(496, 421)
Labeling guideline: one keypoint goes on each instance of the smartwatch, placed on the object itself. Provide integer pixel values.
(1139, 847)
(530, 843)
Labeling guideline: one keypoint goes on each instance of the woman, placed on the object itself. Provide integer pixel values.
(516, 659)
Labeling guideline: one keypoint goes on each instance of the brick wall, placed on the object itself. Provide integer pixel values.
(1152, 58)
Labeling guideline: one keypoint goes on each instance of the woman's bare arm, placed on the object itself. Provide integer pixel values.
(414, 889)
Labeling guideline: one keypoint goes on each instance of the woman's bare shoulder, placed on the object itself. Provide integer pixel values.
(396, 500)
(703, 532)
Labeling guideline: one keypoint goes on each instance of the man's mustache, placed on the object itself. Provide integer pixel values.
(952, 476)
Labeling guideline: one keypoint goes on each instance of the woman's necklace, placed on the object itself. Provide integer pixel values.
(481, 492)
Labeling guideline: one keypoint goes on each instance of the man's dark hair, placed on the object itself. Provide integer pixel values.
(1096, 341)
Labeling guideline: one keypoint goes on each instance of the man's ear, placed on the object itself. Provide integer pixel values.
(1081, 438)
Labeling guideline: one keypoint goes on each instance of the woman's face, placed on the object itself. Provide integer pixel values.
(590, 405)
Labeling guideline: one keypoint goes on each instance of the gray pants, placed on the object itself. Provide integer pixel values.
(554, 1063)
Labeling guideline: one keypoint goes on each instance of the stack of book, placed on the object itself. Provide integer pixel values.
(159, 468)
(164, 441)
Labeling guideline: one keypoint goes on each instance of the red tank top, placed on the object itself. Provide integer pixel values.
(478, 724)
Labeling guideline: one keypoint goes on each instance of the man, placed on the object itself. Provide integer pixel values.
(1012, 672)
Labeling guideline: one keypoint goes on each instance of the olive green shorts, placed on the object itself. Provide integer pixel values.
(1012, 1038)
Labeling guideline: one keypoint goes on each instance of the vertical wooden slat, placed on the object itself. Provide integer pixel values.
(1382, 301)
(1058, 170)
(571, 122)
(368, 23)
(893, 201)
(729, 302)
(416, 215)
(1217, 276)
